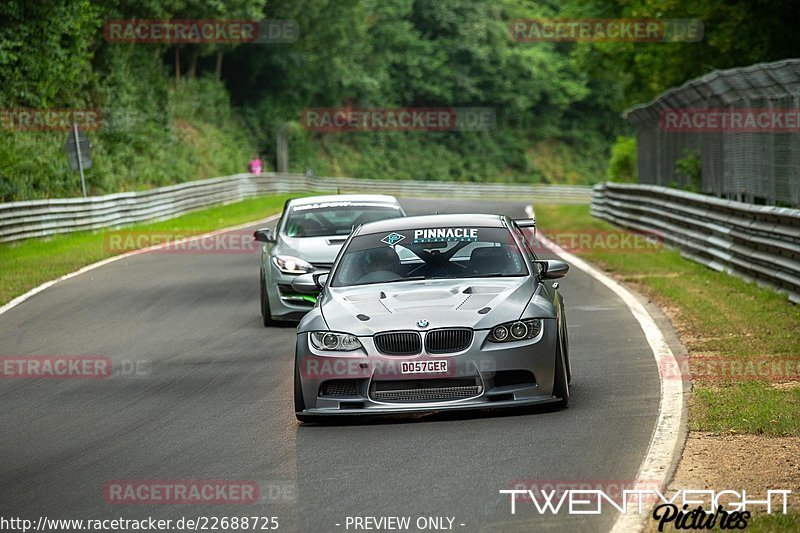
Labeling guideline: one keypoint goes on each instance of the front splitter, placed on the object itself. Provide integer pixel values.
(428, 408)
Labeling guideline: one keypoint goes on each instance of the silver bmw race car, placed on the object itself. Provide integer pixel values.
(307, 238)
(433, 313)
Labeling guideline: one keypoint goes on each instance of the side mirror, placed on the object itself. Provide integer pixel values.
(552, 269)
(320, 279)
(264, 235)
(310, 283)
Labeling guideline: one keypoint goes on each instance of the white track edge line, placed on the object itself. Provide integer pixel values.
(659, 459)
(36, 290)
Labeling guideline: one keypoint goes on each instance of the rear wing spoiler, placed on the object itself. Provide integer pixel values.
(526, 222)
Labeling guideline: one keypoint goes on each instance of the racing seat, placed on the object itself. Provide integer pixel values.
(493, 260)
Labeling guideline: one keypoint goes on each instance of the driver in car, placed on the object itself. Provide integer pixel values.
(382, 260)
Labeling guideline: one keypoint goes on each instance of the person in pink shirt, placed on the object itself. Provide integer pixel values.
(255, 165)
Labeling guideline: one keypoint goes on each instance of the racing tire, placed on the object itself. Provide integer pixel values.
(266, 312)
(561, 381)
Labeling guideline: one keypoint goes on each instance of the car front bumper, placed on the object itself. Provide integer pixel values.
(486, 375)
(284, 302)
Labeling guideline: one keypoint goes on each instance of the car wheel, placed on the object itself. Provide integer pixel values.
(561, 381)
(266, 312)
(299, 403)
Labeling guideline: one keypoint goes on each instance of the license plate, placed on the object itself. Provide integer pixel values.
(423, 367)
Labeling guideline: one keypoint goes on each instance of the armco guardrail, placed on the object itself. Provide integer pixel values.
(757, 243)
(38, 218)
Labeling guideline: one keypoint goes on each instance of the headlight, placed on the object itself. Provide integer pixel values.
(292, 265)
(334, 342)
(516, 331)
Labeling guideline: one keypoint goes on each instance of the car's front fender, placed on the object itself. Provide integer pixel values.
(312, 321)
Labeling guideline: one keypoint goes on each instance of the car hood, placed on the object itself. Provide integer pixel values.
(311, 249)
(478, 304)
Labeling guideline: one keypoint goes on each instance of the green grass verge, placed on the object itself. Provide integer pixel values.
(720, 316)
(29, 263)
(773, 523)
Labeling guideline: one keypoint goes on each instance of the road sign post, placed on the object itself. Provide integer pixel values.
(79, 153)
(80, 163)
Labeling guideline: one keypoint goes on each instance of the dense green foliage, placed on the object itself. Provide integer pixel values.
(192, 134)
(187, 111)
(622, 165)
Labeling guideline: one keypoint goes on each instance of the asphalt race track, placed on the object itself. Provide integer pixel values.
(211, 399)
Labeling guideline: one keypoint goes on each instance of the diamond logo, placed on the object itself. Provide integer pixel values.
(393, 238)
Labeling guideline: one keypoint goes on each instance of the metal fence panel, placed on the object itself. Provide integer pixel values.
(753, 166)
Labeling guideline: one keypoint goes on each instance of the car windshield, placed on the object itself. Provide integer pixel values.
(335, 218)
(429, 253)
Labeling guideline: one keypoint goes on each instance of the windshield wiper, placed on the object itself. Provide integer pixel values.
(413, 278)
(491, 275)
